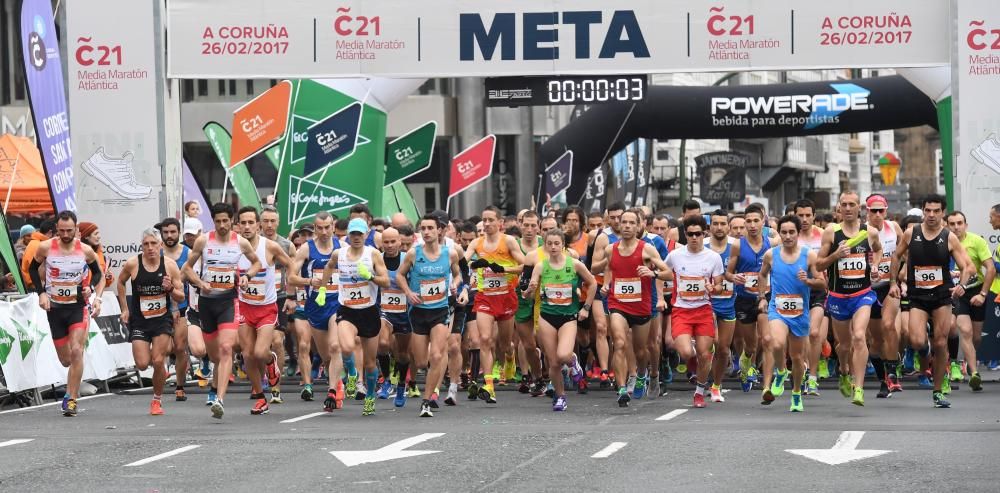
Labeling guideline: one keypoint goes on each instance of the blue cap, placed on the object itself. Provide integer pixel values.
(27, 229)
(357, 225)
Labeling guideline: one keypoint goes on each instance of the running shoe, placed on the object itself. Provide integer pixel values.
(330, 403)
(550, 391)
(766, 397)
(883, 391)
(352, 385)
(605, 381)
(582, 386)
(434, 399)
(924, 381)
(537, 388)
(668, 375)
(273, 373)
(412, 390)
(525, 385)
(218, 409)
(945, 386)
(716, 392)
(509, 369)
(940, 401)
(745, 384)
(623, 397)
(384, 390)
(276, 396)
(812, 388)
(425, 410)
(859, 396)
(699, 400)
(463, 381)
(293, 368)
(180, 395)
(201, 374)
(654, 388)
(869, 369)
(892, 380)
(824, 369)
(681, 367)
(560, 404)
(796, 406)
(845, 386)
(778, 384)
(488, 394)
(575, 370)
(956, 372)
(361, 392)
(908, 360)
(630, 384)
(474, 391)
(260, 407)
(753, 375)
(369, 407)
(976, 382)
(451, 400)
(307, 392)
(68, 406)
(400, 399)
(639, 388)
(211, 397)
(156, 408)
(993, 365)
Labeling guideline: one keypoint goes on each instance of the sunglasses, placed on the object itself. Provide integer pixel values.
(694, 234)
(877, 211)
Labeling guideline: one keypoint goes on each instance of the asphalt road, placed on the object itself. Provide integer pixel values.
(517, 445)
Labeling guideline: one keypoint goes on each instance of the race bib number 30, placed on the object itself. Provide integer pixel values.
(64, 292)
(789, 305)
(628, 290)
(928, 277)
(853, 266)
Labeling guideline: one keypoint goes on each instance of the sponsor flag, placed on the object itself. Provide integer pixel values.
(333, 139)
(643, 168)
(355, 179)
(722, 176)
(472, 165)
(397, 198)
(410, 154)
(8, 255)
(47, 94)
(556, 179)
(239, 175)
(194, 191)
(260, 123)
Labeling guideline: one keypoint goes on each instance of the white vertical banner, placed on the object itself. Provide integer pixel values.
(113, 80)
(976, 113)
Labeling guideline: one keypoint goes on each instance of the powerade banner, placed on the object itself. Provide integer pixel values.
(354, 180)
(741, 112)
(722, 176)
(466, 38)
(596, 190)
(643, 168)
(238, 175)
(47, 93)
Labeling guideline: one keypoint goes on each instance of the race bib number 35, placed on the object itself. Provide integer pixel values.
(789, 305)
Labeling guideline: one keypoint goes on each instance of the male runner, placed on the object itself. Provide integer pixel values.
(929, 248)
(629, 290)
(431, 270)
(698, 274)
(598, 316)
(723, 302)
(884, 353)
(743, 270)
(811, 237)
(64, 297)
(787, 275)
(688, 208)
(970, 309)
(218, 253)
(498, 264)
(170, 232)
(524, 318)
(259, 309)
(307, 272)
(154, 277)
(360, 211)
(286, 304)
(845, 253)
(394, 312)
(362, 272)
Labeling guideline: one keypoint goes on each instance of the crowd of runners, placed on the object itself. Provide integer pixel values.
(619, 299)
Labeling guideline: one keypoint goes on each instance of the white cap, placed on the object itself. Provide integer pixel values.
(192, 226)
(915, 212)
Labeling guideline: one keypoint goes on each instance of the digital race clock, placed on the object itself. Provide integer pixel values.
(544, 91)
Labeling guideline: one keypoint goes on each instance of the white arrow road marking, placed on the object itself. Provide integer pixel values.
(15, 442)
(845, 450)
(389, 452)
(672, 414)
(162, 456)
(303, 418)
(610, 449)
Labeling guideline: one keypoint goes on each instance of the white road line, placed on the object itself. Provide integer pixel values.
(672, 414)
(162, 456)
(15, 442)
(303, 418)
(610, 449)
(32, 408)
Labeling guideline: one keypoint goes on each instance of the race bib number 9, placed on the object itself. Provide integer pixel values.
(558, 294)
(927, 277)
(853, 266)
(628, 290)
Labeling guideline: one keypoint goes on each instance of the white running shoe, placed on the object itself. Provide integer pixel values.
(116, 173)
(988, 153)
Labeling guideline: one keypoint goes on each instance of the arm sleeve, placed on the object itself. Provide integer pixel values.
(36, 279)
(96, 276)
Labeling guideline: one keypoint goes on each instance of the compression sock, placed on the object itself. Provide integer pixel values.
(349, 365)
(383, 364)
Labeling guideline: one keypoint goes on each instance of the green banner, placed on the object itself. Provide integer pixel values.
(239, 175)
(397, 198)
(946, 131)
(410, 154)
(273, 154)
(8, 256)
(335, 188)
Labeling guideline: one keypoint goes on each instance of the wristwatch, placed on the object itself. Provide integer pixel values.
(586, 307)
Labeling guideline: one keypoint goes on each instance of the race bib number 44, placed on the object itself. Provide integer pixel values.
(628, 290)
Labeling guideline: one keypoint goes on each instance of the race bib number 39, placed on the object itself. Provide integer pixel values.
(628, 290)
(853, 266)
(928, 277)
(494, 285)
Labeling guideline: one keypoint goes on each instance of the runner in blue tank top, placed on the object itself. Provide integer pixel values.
(787, 274)
(723, 302)
(744, 266)
(170, 231)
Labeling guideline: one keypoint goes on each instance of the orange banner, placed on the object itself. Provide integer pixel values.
(259, 123)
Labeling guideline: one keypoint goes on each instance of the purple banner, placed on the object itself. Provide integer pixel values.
(47, 93)
(559, 174)
(194, 191)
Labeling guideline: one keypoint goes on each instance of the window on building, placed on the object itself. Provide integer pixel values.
(187, 90)
(202, 87)
(663, 155)
(249, 87)
(232, 87)
(222, 87)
